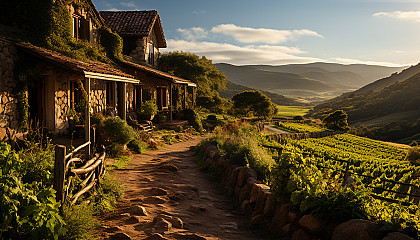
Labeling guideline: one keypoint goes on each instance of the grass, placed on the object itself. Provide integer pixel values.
(291, 111)
(120, 162)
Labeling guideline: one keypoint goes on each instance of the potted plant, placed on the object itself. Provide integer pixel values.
(147, 110)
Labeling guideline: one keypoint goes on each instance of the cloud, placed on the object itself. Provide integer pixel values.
(128, 4)
(193, 34)
(198, 12)
(410, 15)
(357, 61)
(113, 9)
(251, 54)
(261, 35)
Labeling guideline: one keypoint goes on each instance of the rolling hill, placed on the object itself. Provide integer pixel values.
(390, 113)
(313, 82)
(232, 89)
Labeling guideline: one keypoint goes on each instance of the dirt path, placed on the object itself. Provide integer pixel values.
(168, 197)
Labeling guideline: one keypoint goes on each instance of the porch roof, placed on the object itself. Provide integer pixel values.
(160, 74)
(96, 70)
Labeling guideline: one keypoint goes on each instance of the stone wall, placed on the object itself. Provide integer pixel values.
(277, 216)
(9, 126)
(141, 51)
(97, 96)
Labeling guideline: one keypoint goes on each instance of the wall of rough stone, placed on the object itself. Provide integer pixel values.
(8, 115)
(141, 51)
(277, 216)
(97, 96)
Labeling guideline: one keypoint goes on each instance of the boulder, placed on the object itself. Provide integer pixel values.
(357, 229)
(279, 220)
(161, 225)
(257, 220)
(311, 224)
(244, 174)
(156, 236)
(270, 205)
(301, 235)
(292, 217)
(120, 236)
(138, 210)
(177, 222)
(397, 236)
(262, 198)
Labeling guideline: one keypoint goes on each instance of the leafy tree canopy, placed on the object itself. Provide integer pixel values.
(253, 103)
(198, 70)
(336, 121)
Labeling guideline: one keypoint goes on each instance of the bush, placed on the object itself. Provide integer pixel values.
(148, 108)
(115, 130)
(193, 119)
(28, 211)
(253, 103)
(413, 155)
(80, 221)
(137, 146)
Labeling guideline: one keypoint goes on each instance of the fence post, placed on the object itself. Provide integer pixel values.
(346, 174)
(59, 174)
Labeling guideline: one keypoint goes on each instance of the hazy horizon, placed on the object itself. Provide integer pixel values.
(376, 32)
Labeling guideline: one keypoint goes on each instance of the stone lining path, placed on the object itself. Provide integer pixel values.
(168, 197)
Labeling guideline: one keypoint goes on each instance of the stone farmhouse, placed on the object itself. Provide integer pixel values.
(42, 81)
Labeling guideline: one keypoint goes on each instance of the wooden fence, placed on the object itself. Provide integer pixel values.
(89, 171)
(347, 179)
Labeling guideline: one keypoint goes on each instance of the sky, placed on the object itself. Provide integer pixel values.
(276, 32)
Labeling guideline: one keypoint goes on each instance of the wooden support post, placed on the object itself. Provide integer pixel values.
(185, 97)
(59, 174)
(193, 98)
(170, 103)
(122, 100)
(87, 118)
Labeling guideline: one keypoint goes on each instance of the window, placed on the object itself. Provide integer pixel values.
(75, 94)
(151, 50)
(81, 28)
(161, 97)
(109, 94)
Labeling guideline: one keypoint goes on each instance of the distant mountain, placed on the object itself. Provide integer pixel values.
(314, 81)
(399, 97)
(232, 89)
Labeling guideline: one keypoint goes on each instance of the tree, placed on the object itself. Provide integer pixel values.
(198, 70)
(253, 103)
(336, 121)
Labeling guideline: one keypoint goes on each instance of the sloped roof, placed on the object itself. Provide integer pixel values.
(159, 74)
(135, 23)
(103, 71)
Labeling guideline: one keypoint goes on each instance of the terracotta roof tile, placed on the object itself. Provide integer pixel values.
(138, 23)
(134, 23)
(158, 73)
(73, 64)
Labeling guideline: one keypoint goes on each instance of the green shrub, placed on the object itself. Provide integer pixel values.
(112, 43)
(413, 155)
(193, 119)
(109, 191)
(28, 211)
(148, 108)
(137, 146)
(116, 130)
(80, 222)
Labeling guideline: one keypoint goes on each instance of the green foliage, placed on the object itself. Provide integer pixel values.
(137, 146)
(253, 103)
(315, 192)
(22, 107)
(116, 130)
(336, 121)
(148, 108)
(109, 191)
(239, 142)
(193, 119)
(28, 211)
(299, 127)
(80, 221)
(112, 42)
(414, 155)
(198, 70)
(37, 159)
(121, 162)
